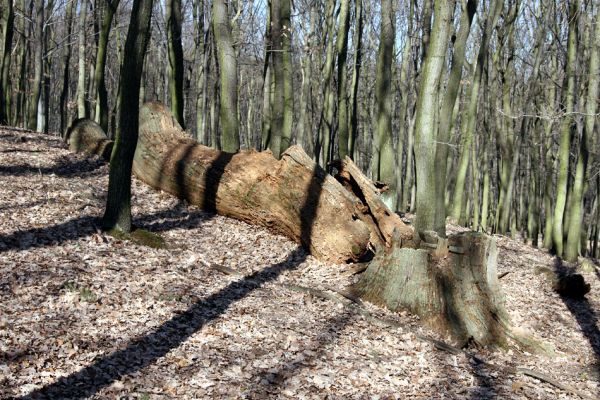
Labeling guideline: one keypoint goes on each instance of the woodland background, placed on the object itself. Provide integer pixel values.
(516, 127)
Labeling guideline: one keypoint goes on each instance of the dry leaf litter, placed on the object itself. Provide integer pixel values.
(83, 314)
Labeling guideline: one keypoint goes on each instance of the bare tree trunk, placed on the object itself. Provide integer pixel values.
(81, 87)
(383, 83)
(565, 132)
(7, 18)
(101, 114)
(175, 50)
(342, 78)
(32, 111)
(228, 115)
(117, 215)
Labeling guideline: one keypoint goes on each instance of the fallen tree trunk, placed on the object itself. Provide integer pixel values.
(292, 196)
(450, 283)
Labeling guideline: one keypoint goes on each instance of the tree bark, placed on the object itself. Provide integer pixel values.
(175, 50)
(117, 215)
(81, 88)
(335, 221)
(565, 132)
(32, 110)
(7, 18)
(383, 94)
(342, 53)
(425, 124)
(228, 114)
(101, 115)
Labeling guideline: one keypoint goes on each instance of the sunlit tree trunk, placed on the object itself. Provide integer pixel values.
(353, 112)
(7, 18)
(468, 9)
(66, 61)
(471, 117)
(101, 114)
(565, 132)
(591, 105)
(383, 94)
(342, 77)
(36, 84)
(228, 113)
(425, 124)
(81, 88)
(175, 51)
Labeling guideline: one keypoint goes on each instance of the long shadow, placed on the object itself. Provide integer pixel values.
(64, 168)
(21, 151)
(52, 235)
(584, 314)
(145, 350)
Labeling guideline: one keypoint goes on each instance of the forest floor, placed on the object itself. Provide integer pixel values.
(85, 315)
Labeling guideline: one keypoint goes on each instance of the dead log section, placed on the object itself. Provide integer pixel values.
(450, 283)
(86, 136)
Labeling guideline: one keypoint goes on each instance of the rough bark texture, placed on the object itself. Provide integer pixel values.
(86, 136)
(292, 196)
(451, 284)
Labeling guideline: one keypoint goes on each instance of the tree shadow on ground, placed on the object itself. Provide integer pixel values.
(486, 387)
(141, 352)
(64, 168)
(584, 314)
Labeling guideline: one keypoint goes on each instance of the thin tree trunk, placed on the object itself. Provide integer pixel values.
(66, 61)
(565, 132)
(36, 85)
(7, 18)
(468, 9)
(117, 215)
(353, 117)
(425, 124)
(175, 51)
(342, 78)
(227, 63)
(81, 88)
(101, 114)
(591, 105)
(383, 83)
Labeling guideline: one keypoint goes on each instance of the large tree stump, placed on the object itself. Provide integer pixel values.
(452, 286)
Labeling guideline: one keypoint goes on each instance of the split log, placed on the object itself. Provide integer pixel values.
(86, 136)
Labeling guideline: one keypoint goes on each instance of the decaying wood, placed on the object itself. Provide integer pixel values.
(381, 220)
(86, 136)
(454, 292)
(450, 283)
(292, 196)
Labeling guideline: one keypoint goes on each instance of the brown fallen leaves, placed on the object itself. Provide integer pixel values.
(108, 319)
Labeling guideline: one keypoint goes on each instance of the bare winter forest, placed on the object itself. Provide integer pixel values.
(299, 199)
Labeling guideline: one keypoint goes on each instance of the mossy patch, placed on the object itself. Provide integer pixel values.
(141, 237)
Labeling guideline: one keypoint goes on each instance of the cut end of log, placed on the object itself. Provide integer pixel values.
(86, 136)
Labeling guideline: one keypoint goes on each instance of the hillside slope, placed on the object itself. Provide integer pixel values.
(107, 318)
